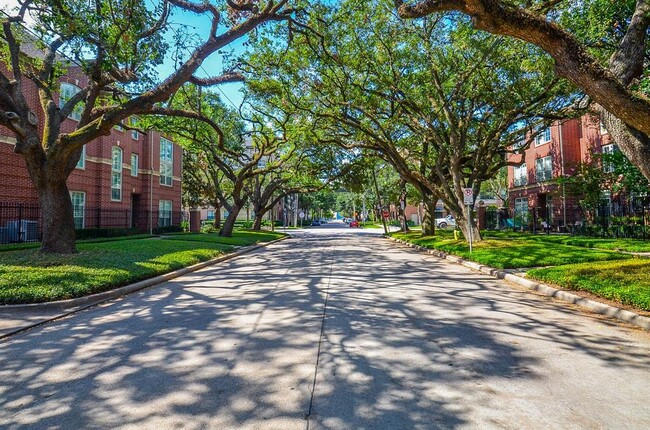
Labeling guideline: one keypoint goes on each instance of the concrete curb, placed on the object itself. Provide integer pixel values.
(546, 290)
(71, 306)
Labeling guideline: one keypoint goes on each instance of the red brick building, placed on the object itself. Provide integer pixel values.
(534, 193)
(127, 179)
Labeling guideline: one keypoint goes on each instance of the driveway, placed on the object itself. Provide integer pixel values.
(335, 328)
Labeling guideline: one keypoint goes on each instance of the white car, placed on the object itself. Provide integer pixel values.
(449, 220)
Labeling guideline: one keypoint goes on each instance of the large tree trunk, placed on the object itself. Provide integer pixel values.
(57, 216)
(463, 223)
(257, 223)
(259, 217)
(428, 218)
(217, 215)
(402, 207)
(229, 224)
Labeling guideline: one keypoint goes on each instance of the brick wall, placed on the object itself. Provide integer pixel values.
(140, 193)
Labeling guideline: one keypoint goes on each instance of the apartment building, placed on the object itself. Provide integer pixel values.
(534, 194)
(128, 179)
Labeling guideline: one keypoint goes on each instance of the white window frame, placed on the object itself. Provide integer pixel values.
(164, 208)
(166, 162)
(603, 130)
(211, 215)
(608, 149)
(135, 164)
(81, 164)
(66, 92)
(520, 175)
(546, 164)
(76, 210)
(521, 208)
(543, 137)
(116, 173)
(133, 121)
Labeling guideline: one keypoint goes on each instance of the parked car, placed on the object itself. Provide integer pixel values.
(449, 220)
(315, 222)
(354, 223)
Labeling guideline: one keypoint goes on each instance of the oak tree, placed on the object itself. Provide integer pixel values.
(113, 46)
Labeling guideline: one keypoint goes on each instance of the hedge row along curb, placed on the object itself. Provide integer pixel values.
(546, 290)
(71, 306)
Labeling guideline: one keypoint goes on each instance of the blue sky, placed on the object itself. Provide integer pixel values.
(200, 25)
(213, 65)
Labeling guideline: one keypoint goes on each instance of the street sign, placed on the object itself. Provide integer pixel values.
(301, 215)
(468, 196)
(386, 214)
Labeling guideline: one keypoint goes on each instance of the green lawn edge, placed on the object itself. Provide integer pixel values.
(603, 272)
(26, 276)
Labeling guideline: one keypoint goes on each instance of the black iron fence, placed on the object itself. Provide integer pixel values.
(22, 222)
(610, 220)
(19, 222)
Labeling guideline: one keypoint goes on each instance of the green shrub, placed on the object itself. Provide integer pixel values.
(208, 227)
(167, 229)
(94, 233)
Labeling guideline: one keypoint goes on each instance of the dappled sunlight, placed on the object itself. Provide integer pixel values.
(409, 341)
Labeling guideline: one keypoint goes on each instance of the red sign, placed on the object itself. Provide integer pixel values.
(386, 214)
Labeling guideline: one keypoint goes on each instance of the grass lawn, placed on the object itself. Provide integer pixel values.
(630, 245)
(29, 277)
(510, 254)
(30, 245)
(608, 274)
(239, 237)
(626, 281)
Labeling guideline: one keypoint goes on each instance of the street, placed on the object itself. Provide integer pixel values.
(335, 328)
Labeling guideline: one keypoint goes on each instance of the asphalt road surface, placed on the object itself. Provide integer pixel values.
(335, 328)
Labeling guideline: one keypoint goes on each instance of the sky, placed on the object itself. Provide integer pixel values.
(230, 93)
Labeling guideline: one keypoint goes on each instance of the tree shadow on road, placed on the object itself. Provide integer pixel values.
(235, 346)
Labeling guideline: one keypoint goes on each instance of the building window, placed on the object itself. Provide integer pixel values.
(543, 137)
(120, 126)
(520, 175)
(134, 164)
(166, 161)
(164, 213)
(608, 150)
(210, 215)
(544, 169)
(81, 164)
(521, 210)
(78, 208)
(116, 177)
(66, 92)
(133, 122)
(603, 130)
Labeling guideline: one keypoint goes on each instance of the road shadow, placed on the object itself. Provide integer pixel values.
(235, 346)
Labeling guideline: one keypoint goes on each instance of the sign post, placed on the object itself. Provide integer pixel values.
(468, 199)
(301, 215)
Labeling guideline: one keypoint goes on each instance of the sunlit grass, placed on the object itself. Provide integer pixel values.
(626, 281)
(26, 276)
(510, 254)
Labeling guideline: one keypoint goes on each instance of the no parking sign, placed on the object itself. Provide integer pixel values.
(468, 195)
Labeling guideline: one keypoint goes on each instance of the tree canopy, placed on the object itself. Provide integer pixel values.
(601, 46)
